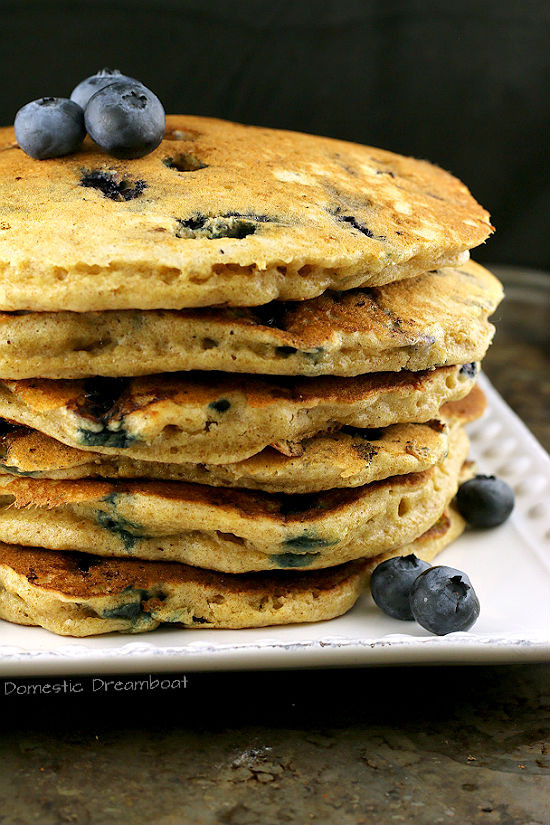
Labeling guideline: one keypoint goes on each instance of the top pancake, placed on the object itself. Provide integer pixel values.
(222, 213)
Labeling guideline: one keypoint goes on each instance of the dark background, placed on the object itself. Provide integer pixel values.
(463, 83)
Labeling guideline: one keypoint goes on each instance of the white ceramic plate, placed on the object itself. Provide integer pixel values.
(509, 568)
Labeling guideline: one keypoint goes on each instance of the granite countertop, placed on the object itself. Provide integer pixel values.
(518, 361)
(404, 745)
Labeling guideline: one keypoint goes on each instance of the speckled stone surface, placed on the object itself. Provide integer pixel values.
(410, 745)
(419, 746)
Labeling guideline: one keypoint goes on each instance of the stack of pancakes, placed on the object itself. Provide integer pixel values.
(234, 376)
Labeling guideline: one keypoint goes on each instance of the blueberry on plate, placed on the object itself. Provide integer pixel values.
(86, 88)
(125, 119)
(485, 501)
(443, 601)
(50, 127)
(391, 583)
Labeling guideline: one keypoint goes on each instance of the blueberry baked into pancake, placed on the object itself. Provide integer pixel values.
(75, 595)
(236, 365)
(348, 457)
(228, 529)
(218, 418)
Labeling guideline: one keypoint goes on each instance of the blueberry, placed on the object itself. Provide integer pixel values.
(443, 600)
(50, 127)
(391, 583)
(125, 119)
(485, 501)
(84, 91)
(469, 370)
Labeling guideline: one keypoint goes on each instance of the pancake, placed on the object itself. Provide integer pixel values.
(217, 418)
(222, 213)
(428, 321)
(76, 595)
(447, 529)
(349, 457)
(229, 530)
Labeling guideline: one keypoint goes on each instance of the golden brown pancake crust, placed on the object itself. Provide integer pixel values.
(222, 213)
(217, 418)
(346, 458)
(428, 321)
(79, 595)
(227, 529)
(85, 577)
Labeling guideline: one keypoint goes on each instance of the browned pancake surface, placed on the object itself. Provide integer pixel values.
(222, 213)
